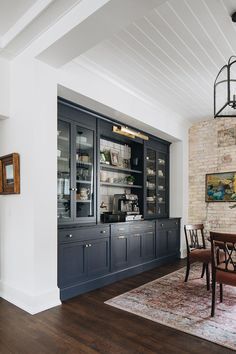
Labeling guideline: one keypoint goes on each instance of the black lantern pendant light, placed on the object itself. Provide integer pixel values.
(225, 90)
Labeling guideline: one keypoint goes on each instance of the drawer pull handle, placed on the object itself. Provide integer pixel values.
(102, 231)
(69, 236)
(121, 237)
(122, 229)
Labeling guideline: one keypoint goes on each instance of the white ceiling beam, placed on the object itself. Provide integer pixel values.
(100, 25)
(29, 16)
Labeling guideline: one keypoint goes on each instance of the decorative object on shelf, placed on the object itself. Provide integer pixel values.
(150, 185)
(135, 161)
(161, 162)
(103, 176)
(10, 174)
(114, 157)
(130, 179)
(102, 157)
(84, 194)
(105, 157)
(221, 187)
(130, 133)
(83, 157)
(150, 172)
(225, 90)
(127, 157)
(81, 139)
(160, 173)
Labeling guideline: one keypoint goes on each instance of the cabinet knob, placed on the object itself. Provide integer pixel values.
(86, 246)
(162, 225)
(69, 236)
(176, 223)
(73, 189)
(90, 245)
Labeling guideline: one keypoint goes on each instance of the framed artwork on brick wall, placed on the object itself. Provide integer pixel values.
(10, 174)
(221, 187)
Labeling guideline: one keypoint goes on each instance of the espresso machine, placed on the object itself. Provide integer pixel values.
(126, 205)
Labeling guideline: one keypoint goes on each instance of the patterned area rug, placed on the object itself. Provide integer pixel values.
(184, 306)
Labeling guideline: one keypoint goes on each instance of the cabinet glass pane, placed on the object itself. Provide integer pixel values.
(151, 173)
(161, 183)
(64, 171)
(84, 172)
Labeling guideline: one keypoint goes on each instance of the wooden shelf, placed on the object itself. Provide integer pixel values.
(122, 185)
(118, 169)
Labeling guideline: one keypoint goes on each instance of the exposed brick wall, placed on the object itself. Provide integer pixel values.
(205, 156)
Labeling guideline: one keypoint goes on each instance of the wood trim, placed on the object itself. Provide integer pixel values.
(13, 188)
(1, 174)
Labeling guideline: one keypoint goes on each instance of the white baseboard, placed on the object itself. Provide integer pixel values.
(183, 253)
(30, 303)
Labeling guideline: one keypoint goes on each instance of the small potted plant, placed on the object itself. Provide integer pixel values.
(130, 179)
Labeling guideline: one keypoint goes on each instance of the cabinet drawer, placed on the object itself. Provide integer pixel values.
(143, 226)
(120, 229)
(83, 233)
(167, 224)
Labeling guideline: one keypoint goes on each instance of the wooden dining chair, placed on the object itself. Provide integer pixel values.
(197, 251)
(223, 268)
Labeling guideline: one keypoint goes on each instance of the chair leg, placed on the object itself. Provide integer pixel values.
(187, 270)
(213, 303)
(221, 292)
(203, 270)
(207, 276)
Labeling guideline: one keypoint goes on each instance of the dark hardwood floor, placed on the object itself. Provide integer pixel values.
(86, 325)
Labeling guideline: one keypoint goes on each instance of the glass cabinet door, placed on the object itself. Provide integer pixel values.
(162, 187)
(151, 186)
(64, 172)
(84, 173)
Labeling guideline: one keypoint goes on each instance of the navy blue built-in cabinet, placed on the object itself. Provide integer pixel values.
(91, 253)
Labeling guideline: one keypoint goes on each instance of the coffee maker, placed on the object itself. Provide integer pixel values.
(126, 204)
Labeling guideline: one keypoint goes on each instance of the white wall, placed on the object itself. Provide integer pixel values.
(28, 222)
(4, 88)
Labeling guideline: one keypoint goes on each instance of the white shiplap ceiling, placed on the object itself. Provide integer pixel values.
(171, 55)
